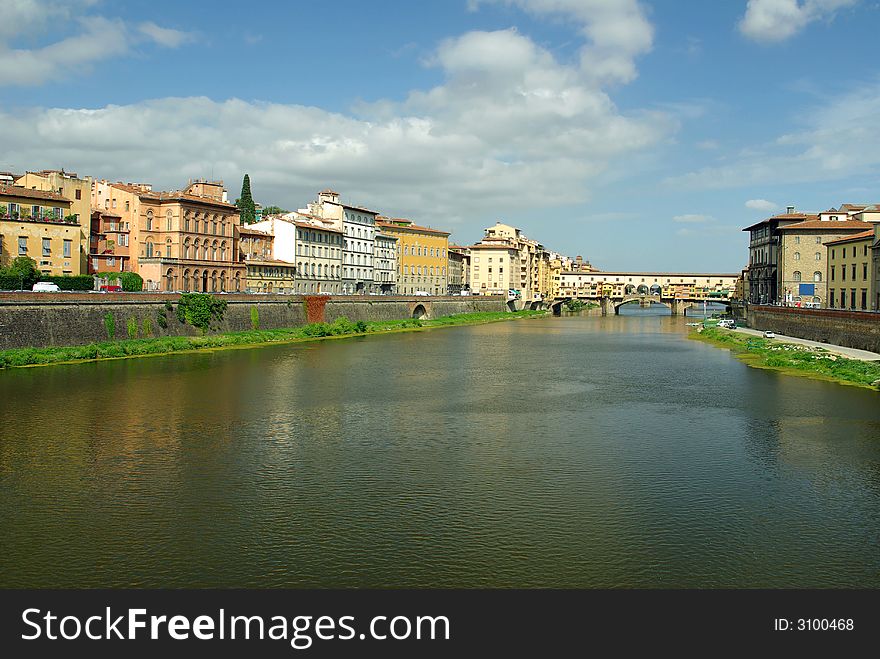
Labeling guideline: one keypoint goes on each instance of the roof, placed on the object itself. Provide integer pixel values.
(831, 225)
(309, 225)
(256, 232)
(785, 217)
(269, 262)
(30, 193)
(599, 273)
(480, 246)
(863, 235)
(184, 196)
(411, 227)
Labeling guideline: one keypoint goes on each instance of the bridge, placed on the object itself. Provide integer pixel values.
(612, 290)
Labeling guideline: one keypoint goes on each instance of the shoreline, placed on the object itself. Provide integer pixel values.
(792, 358)
(153, 347)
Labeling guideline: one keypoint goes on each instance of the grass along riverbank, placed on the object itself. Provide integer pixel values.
(21, 357)
(793, 359)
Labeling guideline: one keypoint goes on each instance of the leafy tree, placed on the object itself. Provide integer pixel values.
(273, 210)
(22, 271)
(245, 202)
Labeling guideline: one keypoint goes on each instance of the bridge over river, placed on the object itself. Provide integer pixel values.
(612, 290)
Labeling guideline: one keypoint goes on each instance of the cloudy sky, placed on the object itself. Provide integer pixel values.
(639, 134)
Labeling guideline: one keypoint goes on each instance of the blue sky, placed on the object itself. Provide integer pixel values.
(642, 135)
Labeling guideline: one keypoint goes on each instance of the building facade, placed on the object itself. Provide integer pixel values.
(596, 284)
(492, 267)
(851, 276)
(802, 261)
(39, 225)
(763, 268)
(385, 263)
(187, 241)
(422, 256)
(78, 191)
(529, 275)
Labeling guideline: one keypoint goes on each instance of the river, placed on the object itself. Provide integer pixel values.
(557, 452)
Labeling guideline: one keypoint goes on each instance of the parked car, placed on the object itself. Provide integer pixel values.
(46, 287)
(769, 335)
(422, 293)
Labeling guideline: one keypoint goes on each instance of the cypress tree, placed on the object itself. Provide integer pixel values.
(245, 202)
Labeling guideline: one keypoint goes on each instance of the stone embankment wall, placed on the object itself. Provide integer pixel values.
(57, 319)
(853, 329)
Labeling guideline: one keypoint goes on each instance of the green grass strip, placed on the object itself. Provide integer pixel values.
(793, 359)
(342, 327)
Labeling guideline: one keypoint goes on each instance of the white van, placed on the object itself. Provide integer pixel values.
(421, 293)
(46, 287)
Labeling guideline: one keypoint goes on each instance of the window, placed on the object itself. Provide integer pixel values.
(149, 220)
(78, 194)
(818, 240)
(47, 247)
(817, 276)
(864, 270)
(149, 249)
(797, 256)
(66, 252)
(127, 203)
(797, 240)
(168, 220)
(818, 256)
(854, 271)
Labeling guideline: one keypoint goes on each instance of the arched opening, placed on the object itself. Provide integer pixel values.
(642, 289)
(420, 312)
(169, 279)
(629, 289)
(186, 280)
(655, 289)
(205, 281)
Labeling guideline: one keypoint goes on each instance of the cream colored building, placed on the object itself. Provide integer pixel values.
(78, 191)
(33, 224)
(313, 244)
(802, 268)
(851, 274)
(494, 268)
(385, 263)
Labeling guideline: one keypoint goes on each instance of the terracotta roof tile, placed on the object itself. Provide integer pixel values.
(29, 193)
(858, 236)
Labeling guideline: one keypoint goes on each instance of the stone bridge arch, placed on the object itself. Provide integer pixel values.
(421, 310)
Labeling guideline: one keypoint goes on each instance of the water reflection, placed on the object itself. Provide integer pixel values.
(555, 452)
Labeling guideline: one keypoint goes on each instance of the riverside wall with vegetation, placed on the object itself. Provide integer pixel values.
(37, 320)
(340, 327)
(853, 329)
(793, 359)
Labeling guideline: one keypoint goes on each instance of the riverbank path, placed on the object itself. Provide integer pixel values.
(843, 351)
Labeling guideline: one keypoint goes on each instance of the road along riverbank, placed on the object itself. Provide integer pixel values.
(339, 328)
(793, 359)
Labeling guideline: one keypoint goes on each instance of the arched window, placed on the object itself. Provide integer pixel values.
(319, 269)
(169, 280)
(149, 220)
(149, 248)
(214, 281)
(186, 221)
(186, 280)
(205, 251)
(797, 256)
(223, 251)
(214, 251)
(237, 282)
(168, 248)
(817, 276)
(313, 269)
(819, 255)
(797, 275)
(168, 216)
(186, 248)
(223, 281)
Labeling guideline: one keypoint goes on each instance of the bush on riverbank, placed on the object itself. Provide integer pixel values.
(799, 359)
(168, 344)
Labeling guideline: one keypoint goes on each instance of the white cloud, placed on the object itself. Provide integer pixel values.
(164, 36)
(616, 33)
(509, 129)
(761, 205)
(693, 219)
(777, 20)
(820, 148)
(95, 38)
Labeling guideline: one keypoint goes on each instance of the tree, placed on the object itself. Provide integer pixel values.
(273, 210)
(245, 202)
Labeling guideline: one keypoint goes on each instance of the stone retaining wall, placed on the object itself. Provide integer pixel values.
(55, 319)
(853, 329)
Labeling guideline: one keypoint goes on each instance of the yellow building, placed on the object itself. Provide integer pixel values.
(850, 272)
(422, 254)
(78, 192)
(33, 223)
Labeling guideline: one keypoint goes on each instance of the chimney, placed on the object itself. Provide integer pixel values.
(789, 210)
